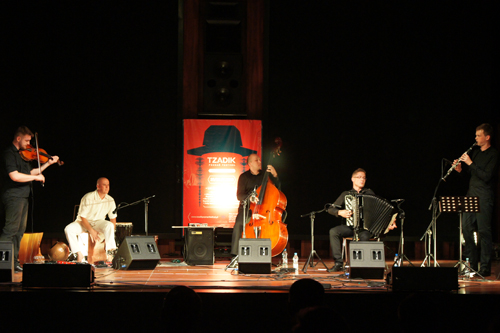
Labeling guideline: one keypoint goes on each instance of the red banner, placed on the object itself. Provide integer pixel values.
(215, 153)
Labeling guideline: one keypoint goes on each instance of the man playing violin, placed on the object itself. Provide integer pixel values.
(18, 175)
(247, 182)
(94, 207)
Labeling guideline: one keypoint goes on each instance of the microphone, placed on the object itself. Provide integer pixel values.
(454, 165)
(398, 200)
(116, 209)
(254, 194)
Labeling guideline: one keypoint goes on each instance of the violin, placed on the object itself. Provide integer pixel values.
(30, 154)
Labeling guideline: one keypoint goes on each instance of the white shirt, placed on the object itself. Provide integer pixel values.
(93, 208)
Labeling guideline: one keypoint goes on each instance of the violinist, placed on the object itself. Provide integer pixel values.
(17, 177)
(247, 182)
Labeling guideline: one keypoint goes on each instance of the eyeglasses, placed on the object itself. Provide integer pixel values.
(360, 177)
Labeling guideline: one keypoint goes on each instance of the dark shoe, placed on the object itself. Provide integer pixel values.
(484, 273)
(337, 268)
(18, 268)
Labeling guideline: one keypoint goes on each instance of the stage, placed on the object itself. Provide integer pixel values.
(133, 299)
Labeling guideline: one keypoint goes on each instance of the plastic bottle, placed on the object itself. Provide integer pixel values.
(284, 260)
(467, 270)
(296, 263)
(396, 260)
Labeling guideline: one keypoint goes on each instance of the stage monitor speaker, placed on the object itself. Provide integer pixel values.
(6, 262)
(366, 260)
(254, 255)
(58, 275)
(199, 246)
(137, 252)
(424, 278)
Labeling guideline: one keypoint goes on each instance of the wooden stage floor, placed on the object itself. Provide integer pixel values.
(135, 300)
(217, 279)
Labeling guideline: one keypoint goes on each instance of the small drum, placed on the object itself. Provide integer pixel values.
(123, 229)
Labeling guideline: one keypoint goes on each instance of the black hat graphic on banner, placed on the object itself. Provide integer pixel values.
(221, 139)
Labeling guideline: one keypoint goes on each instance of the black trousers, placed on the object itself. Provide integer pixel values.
(237, 230)
(483, 222)
(16, 217)
(338, 233)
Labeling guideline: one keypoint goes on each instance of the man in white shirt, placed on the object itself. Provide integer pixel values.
(91, 218)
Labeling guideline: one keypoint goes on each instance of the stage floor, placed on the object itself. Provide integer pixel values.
(217, 279)
(137, 300)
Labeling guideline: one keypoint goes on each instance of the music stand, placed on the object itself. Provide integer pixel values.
(460, 205)
(313, 253)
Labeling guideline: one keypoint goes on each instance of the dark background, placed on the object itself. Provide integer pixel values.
(392, 88)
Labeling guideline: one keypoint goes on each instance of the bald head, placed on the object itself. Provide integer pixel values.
(103, 186)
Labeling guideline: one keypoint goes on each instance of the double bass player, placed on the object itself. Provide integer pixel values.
(247, 182)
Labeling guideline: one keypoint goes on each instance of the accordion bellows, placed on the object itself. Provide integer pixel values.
(376, 211)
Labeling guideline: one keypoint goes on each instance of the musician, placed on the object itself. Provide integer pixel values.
(482, 166)
(247, 181)
(338, 209)
(18, 175)
(91, 218)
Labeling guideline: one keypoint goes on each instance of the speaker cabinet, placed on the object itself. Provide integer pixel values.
(6, 262)
(199, 246)
(254, 255)
(58, 275)
(137, 252)
(366, 260)
(424, 278)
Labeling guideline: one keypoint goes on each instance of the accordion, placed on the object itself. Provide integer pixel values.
(375, 213)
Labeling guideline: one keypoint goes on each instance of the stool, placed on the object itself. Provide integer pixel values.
(96, 251)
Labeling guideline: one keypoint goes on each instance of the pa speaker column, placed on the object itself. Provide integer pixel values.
(199, 246)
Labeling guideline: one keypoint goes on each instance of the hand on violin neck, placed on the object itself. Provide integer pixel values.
(272, 170)
(53, 159)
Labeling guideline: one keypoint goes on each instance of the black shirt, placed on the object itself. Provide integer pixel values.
(340, 202)
(248, 181)
(482, 171)
(12, 161)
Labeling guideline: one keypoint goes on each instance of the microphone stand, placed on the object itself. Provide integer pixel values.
(401, 247)
(244, 203)
(431, 230)
(146, 210)
(313, 253)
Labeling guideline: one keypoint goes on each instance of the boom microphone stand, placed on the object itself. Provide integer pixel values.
(310, 259)
(146, 210)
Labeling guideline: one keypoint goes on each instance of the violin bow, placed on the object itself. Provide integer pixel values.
(38, 156)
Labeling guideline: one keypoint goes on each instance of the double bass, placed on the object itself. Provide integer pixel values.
(266, 216)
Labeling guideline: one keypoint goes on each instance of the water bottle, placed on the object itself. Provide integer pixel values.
(467, 270)
(296, 263)
(284, 260)
(396, 260)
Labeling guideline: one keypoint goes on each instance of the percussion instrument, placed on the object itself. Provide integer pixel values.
(123, 229)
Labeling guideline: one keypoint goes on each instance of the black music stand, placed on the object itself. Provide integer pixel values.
(313, 253)
(460, 205)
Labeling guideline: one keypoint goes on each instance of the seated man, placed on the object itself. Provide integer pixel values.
(346, 229)
(94, 207)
